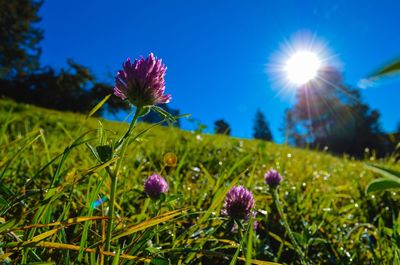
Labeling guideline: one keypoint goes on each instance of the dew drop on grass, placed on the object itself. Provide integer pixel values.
(350, 216)
(196, 169)
(263, 212)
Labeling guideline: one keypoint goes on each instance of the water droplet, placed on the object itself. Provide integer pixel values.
(196, 169)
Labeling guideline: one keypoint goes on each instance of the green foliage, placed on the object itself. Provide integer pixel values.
(388, 69)
(54, 197)
(391, 179)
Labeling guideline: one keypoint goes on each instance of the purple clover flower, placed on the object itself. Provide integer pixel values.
(272, 178)
(142, 82)
(155, 185)
(238, 203)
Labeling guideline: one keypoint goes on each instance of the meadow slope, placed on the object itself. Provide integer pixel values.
(47, 175)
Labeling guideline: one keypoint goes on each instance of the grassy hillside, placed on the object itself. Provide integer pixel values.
(48, 174)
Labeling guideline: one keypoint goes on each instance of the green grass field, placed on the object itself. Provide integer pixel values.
(52, 186)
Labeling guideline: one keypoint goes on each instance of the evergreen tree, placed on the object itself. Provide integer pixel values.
(261, 128)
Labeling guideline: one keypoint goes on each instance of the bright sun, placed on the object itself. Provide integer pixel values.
(302, 67)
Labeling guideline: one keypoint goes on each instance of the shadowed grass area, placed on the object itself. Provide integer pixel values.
(53, 197)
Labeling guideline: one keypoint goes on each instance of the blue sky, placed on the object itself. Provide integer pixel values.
(217, 51)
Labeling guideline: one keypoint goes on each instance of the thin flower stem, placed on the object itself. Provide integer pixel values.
(113, 176)
(297, 247)
(129, 131)
(111, 208)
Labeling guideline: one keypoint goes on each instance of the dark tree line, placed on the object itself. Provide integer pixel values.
(70, 89)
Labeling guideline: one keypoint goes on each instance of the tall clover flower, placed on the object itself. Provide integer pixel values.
(142, 82)
(238, 203)
(272, 178)
(155, 185)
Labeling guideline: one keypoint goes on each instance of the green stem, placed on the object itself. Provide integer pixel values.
(296, 246)
(157, 211)
(113, 175)
(129, 131)
(111, 209)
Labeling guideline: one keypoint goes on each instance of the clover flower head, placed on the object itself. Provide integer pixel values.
(238, 203)
(272, 178)
(142, 82)
(155, 185)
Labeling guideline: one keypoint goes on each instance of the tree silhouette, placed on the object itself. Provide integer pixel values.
(222, 127)
(261, 128)
(329, 113)
(19, 38)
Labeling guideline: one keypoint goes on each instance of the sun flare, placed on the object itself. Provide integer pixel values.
(302, 67)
